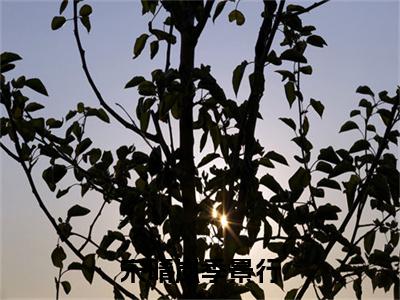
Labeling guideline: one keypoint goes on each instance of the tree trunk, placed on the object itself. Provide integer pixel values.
(187, 168)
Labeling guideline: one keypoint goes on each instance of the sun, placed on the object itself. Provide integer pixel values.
(224, 221)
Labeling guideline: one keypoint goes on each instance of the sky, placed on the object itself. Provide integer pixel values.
(363, 49)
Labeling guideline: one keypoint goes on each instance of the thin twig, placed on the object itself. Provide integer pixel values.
(308, 9)
(52, 220)
(361, 197)
(9, 152)
(96, 91)
(167, 65)
(92, 226)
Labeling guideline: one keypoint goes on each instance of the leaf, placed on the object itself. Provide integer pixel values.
(215, 136)
(365, 90)
(36, 85)
(303, 143)
(134, 81)
(147, 88)
(276, 157)
(385, 115)
(316, 40)
(88, 266)
(255, 290)
(286, 75)
(53, 123)
(153, 49)
(380, 188)
(83, 146)
(236, 15)
(139, 44)
(75, 266)
(54, 174)
(57, 22)
(172, 290)
(357, 288)
(349, 125)
(77, 211)
(70, 115)
(324, 167)
(85, 10)
(306, 70)
(264, 161)
(354, 112)
(289, 122)
(290, 92)
(350, 189)
(7, 67)
(270, 182)
(86, 22)
(238, 76)
(66, 286)
(33, 106)
(203, 140)
(291, 294)
(369, 241)
(327, 212)
(294, 7)
(63, 6)
(293, 55)
(144, 285)
(164, 36)
(341, 168)
(299, 180)
(324, 182)
(215, 251)
(218, 9)
(360, 145)
(267, 234)
(273, 58)
(57, 256)
(8, 57)
(275, 246)
(144, 121)
(61, 193)
(329, 155)
(208, 158)
(318, 106)
(102, 115)
(385, 98)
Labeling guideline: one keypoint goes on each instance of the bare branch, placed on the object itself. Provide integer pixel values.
(9, 152)
(92, 226)
(311, 7)
(94, 87)
(202, 23)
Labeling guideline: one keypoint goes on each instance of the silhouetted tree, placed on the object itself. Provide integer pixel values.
(176, 209)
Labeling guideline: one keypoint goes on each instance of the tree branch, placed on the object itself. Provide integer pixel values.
(202, 23)
(52, 220)
(96, 91)
(10, 153)
(92, 226)
(361, 198)
(311, 7)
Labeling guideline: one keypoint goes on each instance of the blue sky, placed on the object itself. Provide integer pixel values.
(363, 49)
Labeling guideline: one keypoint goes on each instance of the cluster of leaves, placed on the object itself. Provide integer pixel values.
(84, 16)
(149, 186)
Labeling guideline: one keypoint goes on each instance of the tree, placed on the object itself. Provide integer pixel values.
(158, 191)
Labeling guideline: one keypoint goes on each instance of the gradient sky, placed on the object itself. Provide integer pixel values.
(363, 49)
